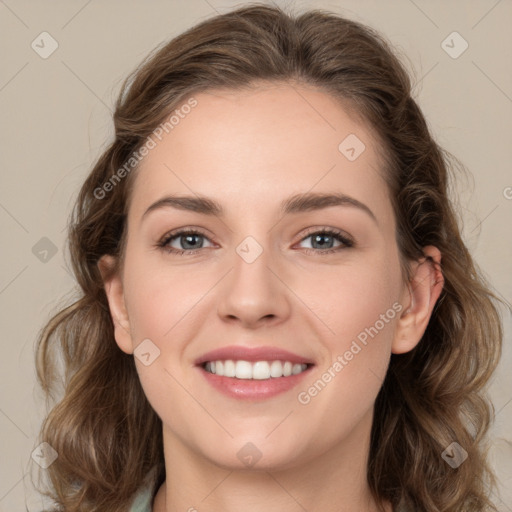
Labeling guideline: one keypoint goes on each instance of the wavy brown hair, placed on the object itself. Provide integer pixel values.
(107, 435)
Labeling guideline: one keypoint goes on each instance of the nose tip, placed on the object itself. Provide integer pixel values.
(251, 293)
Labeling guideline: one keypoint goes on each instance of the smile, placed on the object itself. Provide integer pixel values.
(259, 370)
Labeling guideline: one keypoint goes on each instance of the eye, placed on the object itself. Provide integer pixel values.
(322, 241)
(188, 241)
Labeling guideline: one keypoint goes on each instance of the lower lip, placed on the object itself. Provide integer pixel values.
(253, 389)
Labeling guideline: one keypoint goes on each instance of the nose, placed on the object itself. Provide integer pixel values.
(253, 294)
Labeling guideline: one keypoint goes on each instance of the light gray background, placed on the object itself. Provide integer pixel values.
(56, 119)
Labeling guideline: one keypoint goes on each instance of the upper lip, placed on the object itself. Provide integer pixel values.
(241, 353)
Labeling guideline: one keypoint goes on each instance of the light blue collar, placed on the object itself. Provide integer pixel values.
(142, 501)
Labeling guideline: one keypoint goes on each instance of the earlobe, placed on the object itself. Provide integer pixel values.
(113, 285)
(420, 296)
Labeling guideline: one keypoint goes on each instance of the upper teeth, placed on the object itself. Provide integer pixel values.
(259, 370)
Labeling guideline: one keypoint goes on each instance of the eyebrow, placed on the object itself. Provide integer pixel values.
(295, 204)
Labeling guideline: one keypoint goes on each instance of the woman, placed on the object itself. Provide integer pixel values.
(278, 310)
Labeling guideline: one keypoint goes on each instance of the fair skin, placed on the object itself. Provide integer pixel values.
(249, 151)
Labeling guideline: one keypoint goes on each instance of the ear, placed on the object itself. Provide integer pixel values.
(420, 295)
(115, 294)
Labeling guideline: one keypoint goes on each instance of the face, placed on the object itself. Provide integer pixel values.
(320, 280)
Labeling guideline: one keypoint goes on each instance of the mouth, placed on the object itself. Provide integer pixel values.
(253, 373)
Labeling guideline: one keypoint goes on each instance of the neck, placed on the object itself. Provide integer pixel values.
(334, 481)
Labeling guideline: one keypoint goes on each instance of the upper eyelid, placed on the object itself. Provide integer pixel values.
(176, 232)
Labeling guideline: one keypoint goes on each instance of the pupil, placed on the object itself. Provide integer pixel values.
(319, 238)
(187, 240)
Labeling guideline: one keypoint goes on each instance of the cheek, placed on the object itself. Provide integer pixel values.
(358, 298)
(367, 305)
(160, 304)
(160, 299)
(360, 306)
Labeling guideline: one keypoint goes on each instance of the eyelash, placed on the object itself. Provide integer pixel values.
(346, 241)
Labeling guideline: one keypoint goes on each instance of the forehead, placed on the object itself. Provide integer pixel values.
(258, 145)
